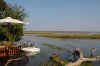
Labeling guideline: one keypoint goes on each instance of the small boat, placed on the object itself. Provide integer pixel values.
(30, 48)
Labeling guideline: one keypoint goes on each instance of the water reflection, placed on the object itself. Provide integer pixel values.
(17, 60)
(31, 54)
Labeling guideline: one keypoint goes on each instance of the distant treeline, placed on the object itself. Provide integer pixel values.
(67, 35)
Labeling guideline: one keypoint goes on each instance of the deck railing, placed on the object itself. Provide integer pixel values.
(9, 50)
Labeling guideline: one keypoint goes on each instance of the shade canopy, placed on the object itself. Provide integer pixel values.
(11, 20)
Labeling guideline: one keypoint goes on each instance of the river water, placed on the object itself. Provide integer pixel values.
(69, 44)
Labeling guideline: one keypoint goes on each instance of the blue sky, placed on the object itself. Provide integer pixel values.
(61, 15)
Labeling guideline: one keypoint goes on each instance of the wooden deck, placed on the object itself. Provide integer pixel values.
(9, 50)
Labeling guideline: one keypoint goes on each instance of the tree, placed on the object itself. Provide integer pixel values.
(3, 6)
(15, 30)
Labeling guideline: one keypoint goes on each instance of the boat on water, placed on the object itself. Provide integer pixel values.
(30, 48)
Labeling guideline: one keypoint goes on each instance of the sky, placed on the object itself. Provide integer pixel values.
(61, 15)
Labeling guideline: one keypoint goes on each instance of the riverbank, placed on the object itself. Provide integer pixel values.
(67, 35)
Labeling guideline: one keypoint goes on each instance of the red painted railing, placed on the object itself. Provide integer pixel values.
(9, 51)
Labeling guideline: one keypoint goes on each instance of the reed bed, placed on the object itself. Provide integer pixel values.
(37, 32)
(54, 47)
(66, 35)
(71, 36)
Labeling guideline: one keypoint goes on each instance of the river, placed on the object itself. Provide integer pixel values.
(69, 44)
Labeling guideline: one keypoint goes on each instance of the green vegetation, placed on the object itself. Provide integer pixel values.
(36, 32)
(53, 46)
(15, 31)
(86, 64)
(67, 36)
(64, 35)
(55, 61)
